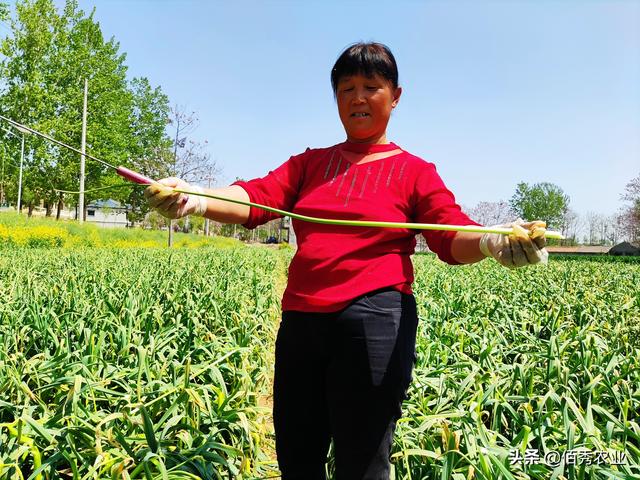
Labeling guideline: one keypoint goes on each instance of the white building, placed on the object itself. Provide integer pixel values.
(107, 213)
(104, 213)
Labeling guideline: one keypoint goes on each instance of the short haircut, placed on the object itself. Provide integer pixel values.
(366, 59)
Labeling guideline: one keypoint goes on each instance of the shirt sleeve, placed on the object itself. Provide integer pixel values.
(278, 189)
(434, 203)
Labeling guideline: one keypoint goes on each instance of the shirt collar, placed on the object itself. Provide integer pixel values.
(368, 147)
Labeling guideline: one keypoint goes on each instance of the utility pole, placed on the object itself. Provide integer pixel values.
(20, 176)
(175, 166)
(2, 179)
(82, 149)
(206, 220)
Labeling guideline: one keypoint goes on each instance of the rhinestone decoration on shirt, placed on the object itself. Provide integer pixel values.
(364, 182)
(353, 181)
(346, 170)
(365, 177)
(336, 172)
(326, 172)
(375, 185)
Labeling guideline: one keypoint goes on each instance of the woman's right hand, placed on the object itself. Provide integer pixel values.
(172, 204)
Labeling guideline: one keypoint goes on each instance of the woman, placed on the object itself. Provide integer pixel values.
(346, 344)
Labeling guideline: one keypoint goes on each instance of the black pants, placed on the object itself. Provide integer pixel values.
(343, 376)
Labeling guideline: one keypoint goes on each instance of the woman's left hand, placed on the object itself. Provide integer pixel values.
(526, 246)
(170, 204)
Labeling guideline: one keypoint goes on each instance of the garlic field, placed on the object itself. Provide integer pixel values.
(529, 374)
(135, 363)
(156, 363)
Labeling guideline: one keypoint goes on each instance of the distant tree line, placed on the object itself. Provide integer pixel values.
(548, 202)
(44, 60)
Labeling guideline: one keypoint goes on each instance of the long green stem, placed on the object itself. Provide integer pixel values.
(141, 179)
(352, 223)
(365, 223)
(119, 185)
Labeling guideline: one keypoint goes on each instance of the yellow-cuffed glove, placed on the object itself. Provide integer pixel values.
(172, 204)
(526, 246)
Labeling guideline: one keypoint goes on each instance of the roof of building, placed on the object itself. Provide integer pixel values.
(581, 249)
(105, 204)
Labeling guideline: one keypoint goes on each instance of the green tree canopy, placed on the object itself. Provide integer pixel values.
(44, 62)
(150, 146)
(541, 201)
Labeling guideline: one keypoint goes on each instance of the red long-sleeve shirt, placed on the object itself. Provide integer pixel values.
(335, 264)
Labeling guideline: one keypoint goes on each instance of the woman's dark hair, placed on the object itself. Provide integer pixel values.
(366, 59)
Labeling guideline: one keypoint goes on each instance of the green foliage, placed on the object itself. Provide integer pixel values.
(540, 358)
(4, 11)
(150, 145)
(594, 258)
(136, 363)
(541, 201)
(47, 57)
(145, 361)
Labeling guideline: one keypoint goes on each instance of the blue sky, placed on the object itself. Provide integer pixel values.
(494, 92)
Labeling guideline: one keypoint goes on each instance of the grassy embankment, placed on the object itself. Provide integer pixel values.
(19, 231)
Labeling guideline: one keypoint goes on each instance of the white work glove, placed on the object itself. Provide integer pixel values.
(524, 247)
(172, 204)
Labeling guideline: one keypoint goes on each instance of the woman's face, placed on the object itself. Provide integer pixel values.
(364, 106)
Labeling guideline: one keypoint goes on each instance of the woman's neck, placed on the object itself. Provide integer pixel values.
(375, 140)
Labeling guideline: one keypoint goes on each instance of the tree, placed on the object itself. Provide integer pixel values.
(492, 213)
(47, 58)
(629, 217)
(86, 54)
(150, 145)
(594, 226)
(541, 201)
(25, 71)
(571, 225)
(192, 162)
(43, 64)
